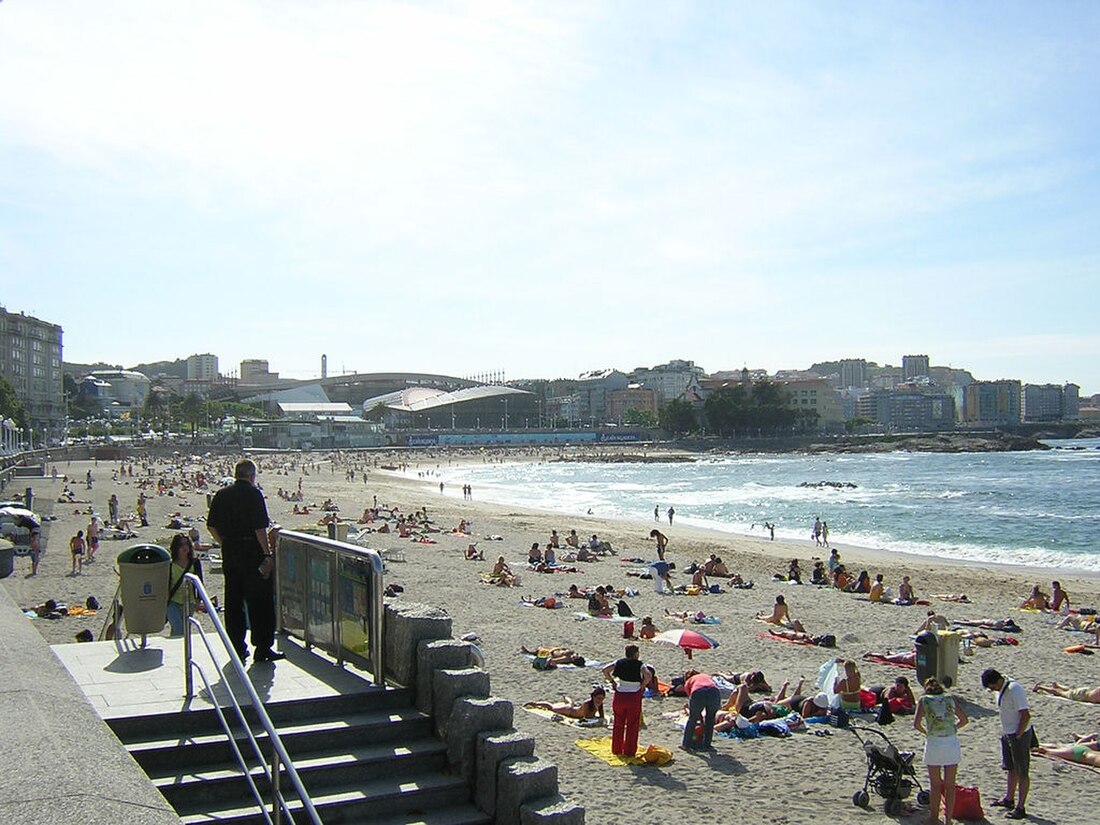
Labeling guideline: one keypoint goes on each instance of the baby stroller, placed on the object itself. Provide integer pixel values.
(889, 772)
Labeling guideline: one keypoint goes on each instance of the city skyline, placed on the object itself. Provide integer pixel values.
(545, 191)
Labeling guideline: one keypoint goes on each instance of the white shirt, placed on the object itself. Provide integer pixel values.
(1011, 700)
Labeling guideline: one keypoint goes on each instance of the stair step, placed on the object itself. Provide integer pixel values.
(407, 800)
(154, 755)
(198, 722)
(317, 770)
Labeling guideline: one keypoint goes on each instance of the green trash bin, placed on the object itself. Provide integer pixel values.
(7, 559)
(143, 573)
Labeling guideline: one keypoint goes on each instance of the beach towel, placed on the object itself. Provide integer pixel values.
(696, 619)
(565, 720)
(601, 749)
(620, 619)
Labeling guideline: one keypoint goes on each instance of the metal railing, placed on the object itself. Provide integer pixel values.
(329, 595)
(279, 759)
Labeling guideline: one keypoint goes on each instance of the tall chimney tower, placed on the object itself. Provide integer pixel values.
(324, 366)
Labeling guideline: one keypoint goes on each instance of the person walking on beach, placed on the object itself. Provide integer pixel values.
(824, 534)
(671, 513)
(629, 680)
(1016, 740)
(656, 512)
(704, 699)
(76, 548)
(93, 538)
(816, 531)
(238, 521)
(939, 717)
(662, 542)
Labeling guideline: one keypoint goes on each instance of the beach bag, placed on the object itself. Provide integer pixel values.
(968, 804)
(656, 755)
(885, 715)
(624, 609)
(542, 663)
(838, 718)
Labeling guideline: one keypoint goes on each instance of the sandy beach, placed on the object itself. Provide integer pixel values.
(800, 779)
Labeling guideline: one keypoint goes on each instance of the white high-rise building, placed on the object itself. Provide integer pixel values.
(202, 367)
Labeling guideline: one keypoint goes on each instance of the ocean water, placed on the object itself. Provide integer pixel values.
(1039, 509)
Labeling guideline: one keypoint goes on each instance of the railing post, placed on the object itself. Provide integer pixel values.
(337, 625)
(188, 676)
(276, 793)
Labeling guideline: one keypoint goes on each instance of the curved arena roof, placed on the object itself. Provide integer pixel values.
(425, 399)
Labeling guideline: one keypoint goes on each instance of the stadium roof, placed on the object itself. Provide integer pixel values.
(425, 399)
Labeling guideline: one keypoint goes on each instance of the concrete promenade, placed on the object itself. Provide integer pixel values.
(63, 764)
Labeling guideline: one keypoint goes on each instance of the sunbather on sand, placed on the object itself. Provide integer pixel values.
(781, 615)
(961, 598)
(799, 636)
(1079, 753)
(1005, 625)
(1079, 694)
(503, 573)
(774, 707)
(1036, 600)
(753, 678)
(648, 630)
(983, 639)
(591, 708)
(1073, 621)
(905, 657)
(555, 656)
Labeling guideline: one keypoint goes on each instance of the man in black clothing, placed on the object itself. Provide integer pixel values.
(238, 521)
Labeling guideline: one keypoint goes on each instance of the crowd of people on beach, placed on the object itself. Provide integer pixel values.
(716, 703)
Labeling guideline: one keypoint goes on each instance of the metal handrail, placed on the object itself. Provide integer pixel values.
(280, 759)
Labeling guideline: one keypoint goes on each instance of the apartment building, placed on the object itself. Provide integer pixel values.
(30, 360)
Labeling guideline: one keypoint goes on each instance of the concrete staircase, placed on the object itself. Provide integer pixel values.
(363, 757)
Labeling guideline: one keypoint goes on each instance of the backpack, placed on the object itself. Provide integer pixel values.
(885, 715)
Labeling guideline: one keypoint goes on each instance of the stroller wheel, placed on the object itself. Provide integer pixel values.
(923, 797)
(892, 807)
(860, 799)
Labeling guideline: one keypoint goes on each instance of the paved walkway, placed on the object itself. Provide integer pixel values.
(126, 680)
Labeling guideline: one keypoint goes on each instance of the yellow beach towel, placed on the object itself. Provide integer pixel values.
(601, 749)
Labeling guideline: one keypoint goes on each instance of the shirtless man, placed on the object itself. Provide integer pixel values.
(933, 621)
(662, 542)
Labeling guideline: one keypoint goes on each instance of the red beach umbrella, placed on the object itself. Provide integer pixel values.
(687, 639)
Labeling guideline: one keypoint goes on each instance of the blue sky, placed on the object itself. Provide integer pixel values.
(548, 188)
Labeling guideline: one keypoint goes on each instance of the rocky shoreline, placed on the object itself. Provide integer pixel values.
(938, 443)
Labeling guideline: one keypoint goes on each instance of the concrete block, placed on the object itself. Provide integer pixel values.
(438, 655)
(468, 718)
(449, 685)
(406, 625)
(493, 747)
(555, 810)
(521, 781)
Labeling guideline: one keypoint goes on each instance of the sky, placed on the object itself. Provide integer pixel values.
(542, 189)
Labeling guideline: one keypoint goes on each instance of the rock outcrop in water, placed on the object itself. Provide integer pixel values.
(940, 443)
